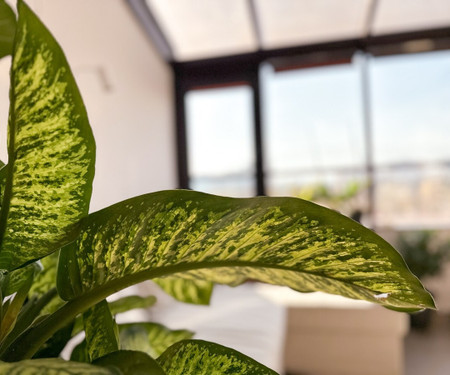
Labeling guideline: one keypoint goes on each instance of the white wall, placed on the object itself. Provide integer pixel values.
(127, 90)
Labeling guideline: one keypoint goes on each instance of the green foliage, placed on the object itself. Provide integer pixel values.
(118, 306)
(344, 200)
(151, 338)
(189, 291)
(55, 367)
(186, 241)
(7, 29)
(283, 241)
(51, 149)
(127, 303)
(196, 357)
(100, 329)
(322, 193)
(130, 363)
(424, 252)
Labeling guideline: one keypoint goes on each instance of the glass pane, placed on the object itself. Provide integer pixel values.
(220, 141)
(410, 96)
(314, 138)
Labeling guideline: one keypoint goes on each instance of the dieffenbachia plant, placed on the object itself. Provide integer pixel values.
(185, 241)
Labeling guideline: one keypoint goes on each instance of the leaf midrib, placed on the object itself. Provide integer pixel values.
(32, 339)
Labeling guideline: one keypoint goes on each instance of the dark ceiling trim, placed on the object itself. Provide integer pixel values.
(234, 67)
(148, 21)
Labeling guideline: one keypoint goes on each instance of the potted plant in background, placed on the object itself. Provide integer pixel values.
(425, 252)
(345, 200)
(186, 241)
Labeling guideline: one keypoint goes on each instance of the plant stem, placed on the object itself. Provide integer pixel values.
(27, 344)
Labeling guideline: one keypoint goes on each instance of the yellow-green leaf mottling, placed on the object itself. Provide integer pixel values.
(197, 357)
(50, 146)
(188, 291)
(151, 338)
(50, 366)
(100, 329)
(284, 241)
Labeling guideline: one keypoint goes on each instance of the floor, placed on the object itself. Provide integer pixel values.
(428, 351)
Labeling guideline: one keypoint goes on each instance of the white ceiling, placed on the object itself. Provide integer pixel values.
(407, 15)
(295, 22)
(198, 29)
(201, 28)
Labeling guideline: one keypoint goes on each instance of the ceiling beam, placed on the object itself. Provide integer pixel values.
(370, 18)
(254, 20)
(148, 21)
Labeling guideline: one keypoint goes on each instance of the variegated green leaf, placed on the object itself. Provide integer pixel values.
(130, 363)
(101, 331)
(151, 338)
(189, 291)
(29, 313)
(53, 367)
(7, 28)
(50, 147)
(128, 303)
(42, 296)
(45, 281)
(14, 280)
(79, 353)
(197, 236)
(196, 357)
(3, 171)
(9, 317)
(118, 306)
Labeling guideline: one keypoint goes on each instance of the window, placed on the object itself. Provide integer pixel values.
(220, 140)
(314, 135)
(315, 139)
(411, 129)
